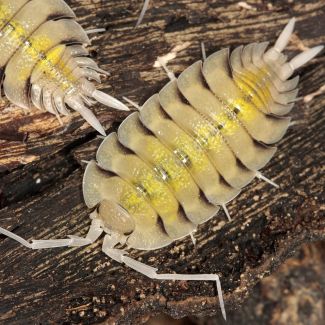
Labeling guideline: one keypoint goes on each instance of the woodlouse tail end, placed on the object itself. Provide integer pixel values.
(109, 101)
(285, 35)
(273, 53)
(87, 114)
(298, 61)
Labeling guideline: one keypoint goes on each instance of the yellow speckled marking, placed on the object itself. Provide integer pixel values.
(149, 187)
(208, 137)
(247, 110)
(198, 161)
(48, 63)
(226, 122)
(132, 202)
(178, 177)
(255, 86)
(5, 12)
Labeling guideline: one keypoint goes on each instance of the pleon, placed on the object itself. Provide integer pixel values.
(283, 98)
(252, 154)
(19, 69)
(100, 185)
(209, 138)
(188, 151)
(171, 171)
(27, 21)
(265, 128)
(255, 82)
(257, 57)
(113, 157)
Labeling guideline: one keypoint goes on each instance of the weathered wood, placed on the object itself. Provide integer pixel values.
(292, 295)
(41, 172)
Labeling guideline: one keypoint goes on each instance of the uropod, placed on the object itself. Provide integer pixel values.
(44, 61)
(189, 150)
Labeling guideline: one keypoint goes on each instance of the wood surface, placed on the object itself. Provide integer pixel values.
(41, 172)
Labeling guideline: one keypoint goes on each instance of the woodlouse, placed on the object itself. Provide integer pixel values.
(190, 149)
(44, 61)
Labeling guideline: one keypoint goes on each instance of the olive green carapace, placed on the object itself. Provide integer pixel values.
(192, 147)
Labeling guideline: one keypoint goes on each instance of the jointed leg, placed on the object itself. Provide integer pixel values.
(169, 73)
(151, 272)
(143, 11)
(131, 102)
(204, 53)
(94, 232)
(95, 31)
(226, 211)
(265, 179)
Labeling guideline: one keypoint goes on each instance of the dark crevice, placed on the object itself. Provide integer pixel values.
(35, 178)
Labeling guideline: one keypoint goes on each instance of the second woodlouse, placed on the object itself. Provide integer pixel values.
(44, 61)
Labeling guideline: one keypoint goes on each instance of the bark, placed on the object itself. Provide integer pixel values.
(41, 172)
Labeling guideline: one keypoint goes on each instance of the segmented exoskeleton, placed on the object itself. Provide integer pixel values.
(44, 61)
(194, 146)
(190, 149)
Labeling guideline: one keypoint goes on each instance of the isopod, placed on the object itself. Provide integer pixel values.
(190, 149)
(44, 61)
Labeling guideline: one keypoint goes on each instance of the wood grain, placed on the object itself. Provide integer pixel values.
(41, 173)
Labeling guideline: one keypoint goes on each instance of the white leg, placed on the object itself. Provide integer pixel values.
(131, 102)
(151, 272)
(95, 30)
(226, 211)
(109, 101)
(204, 53)
(143, 11)
(274, 52)
(77, 104)
(265, 179)
(289, 68)
(170, 74)
(66, 126)
(193, 238)
(59, 119)
(94, 232)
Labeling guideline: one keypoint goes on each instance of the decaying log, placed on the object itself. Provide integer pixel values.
(41, 173)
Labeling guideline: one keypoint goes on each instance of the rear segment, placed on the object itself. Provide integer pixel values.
(44, 60)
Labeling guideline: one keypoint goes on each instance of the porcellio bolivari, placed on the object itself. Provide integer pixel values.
(44, 61)
(189, 150)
